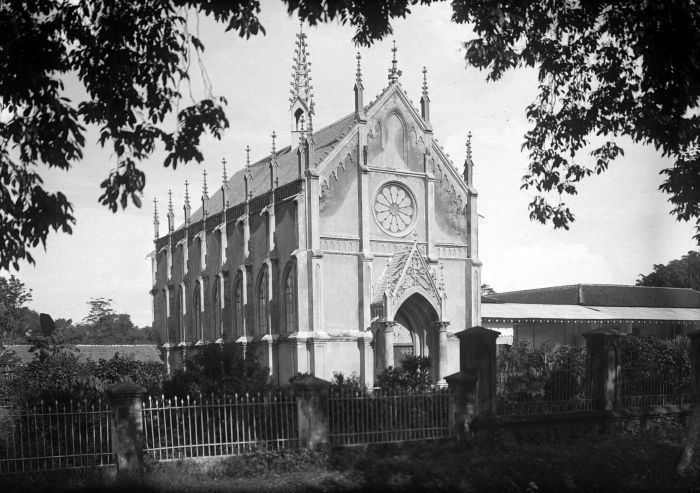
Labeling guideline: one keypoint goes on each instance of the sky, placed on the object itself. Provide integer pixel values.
(623, 224)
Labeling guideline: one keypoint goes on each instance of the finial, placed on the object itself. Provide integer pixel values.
(274, 150)
(224, 178)
(171, 214)
(187, 193)
(358, 74)
(205, 193)
(425, 81)
(469, 145)
(170, 200)
(155, 217)
(247, 156)
(394, 72)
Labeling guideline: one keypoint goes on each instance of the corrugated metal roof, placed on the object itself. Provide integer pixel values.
(529, 311)
(603, 295)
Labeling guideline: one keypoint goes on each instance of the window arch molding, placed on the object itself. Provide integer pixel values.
(238, 304)
(289, 297)
(197, 310)
(262, 302)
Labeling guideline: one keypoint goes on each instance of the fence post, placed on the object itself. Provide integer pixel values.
(125, 401)
(312, 409)
(604, 371)
(694, 354)
(463, 387)
(477, 350)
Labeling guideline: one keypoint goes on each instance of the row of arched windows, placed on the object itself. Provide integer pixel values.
(237, 324)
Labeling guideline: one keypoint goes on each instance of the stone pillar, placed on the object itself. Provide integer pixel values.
(384, 346)
(463, 387)
(125, 400)
(312, 409)
(604, 367)
(441, 327)
(364, 344)
(694, 353)
(477, 350)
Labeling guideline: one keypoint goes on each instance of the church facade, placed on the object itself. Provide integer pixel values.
(345, 252)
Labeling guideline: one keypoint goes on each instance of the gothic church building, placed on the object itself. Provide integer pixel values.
(345, 252)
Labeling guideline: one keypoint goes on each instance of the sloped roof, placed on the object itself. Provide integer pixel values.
(141, 352)
(391, 274)
(287, 171)
(602, 295)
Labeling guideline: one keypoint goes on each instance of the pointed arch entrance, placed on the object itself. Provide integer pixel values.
(417, 315)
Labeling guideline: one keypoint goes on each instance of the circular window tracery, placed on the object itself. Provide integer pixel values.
(394, 209)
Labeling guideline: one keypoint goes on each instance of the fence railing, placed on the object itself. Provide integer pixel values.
(55, 436)
(663, 386)
(204, 427)
(379, 417)
(535, 383)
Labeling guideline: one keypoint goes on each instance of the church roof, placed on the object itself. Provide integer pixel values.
(392, 273)
(324, 139)
(602, 295)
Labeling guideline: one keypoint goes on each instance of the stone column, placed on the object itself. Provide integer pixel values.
(477, 350)
(441, 327)
(604, 367)
(694, 353)
(312, 408)
(463, 387)
(364, 343)
(125, 400)
(384, 345)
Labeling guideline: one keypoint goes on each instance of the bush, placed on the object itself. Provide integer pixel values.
(647, 361)
(219, 370)
(413, 375)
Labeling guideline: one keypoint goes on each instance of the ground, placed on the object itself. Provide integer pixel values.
(533, 461)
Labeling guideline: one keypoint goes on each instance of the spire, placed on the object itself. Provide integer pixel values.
(359, 88)
(186, 207)
(301, 98)
(394, 73)
(425, 99)
(171, 214)
(273, 163)
(247, 176)
(155, 218)
(224, 186)
(468, 164)
(205, 194)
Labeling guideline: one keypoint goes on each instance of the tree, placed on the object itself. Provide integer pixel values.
(13, 314)
(607, 69)
(487, 290)
(679, 273)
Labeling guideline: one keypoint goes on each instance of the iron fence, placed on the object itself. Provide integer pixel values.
(655, 386)
(380, 417)
(535, 381)
(190, 427)
(55, 436)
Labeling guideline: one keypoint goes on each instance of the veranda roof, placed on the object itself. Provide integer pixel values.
(531, 312)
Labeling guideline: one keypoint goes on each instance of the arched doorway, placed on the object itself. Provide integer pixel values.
(418, 316)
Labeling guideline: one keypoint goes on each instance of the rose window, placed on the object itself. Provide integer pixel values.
(394, 209)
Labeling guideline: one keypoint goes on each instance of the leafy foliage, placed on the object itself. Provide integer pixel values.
(679, 273)
(413, 375)
(219, 370)
(13, 314)
(648, 360)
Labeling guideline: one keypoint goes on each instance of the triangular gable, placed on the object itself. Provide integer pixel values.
(406, 272)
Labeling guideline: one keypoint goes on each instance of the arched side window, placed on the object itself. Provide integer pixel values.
(262, 308)
(216, 308)
(197, 311)
(179, 314)
(290, 299)
(238, 307)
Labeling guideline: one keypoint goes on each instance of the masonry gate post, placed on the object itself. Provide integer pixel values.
(312, 409)
(463, 387)
(477, 351)
(694, 354)
(125, 401)
(604, 367)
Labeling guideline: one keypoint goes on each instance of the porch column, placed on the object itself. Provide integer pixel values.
(384, 346)
(441, 327)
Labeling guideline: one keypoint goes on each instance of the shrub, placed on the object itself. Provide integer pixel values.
(413, 375)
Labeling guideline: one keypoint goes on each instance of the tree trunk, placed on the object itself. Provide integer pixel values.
(688, 464)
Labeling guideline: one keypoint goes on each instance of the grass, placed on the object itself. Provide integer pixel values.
(526, 461)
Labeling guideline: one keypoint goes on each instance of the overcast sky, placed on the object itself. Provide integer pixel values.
(622, 225)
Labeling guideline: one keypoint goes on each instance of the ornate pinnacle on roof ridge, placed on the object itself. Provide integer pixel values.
(187, 193)
(358, 74)
(171, 213)
(301, 72)
(205, 192)
(394, 72)
(247, 157)
(155, 218)
(425, 81)
(170, 201)
(469, 145)
(274, 149)
(224, 177)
